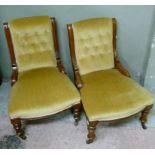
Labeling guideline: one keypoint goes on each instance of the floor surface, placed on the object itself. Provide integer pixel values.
(59, 131)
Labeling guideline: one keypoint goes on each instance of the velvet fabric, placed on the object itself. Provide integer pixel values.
(41, 89)
(93, 44)
(41, 92)
(33, 42)
(109, 95)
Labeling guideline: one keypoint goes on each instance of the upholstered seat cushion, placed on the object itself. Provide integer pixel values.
(41, 92)
(108, 95)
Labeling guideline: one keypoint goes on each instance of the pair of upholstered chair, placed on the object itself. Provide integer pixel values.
(41, 87)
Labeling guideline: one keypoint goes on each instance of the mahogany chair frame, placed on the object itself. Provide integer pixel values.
(91, 125)
(17, 122)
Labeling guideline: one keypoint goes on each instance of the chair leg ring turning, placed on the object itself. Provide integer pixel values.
(91, 132)
(144, 116)
(76, 111)
(18, 128)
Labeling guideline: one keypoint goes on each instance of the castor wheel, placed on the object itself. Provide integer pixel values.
(76, 123)
(89, 141)
(143, 126)
(22, 136)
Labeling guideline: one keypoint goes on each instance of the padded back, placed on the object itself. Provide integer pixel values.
(93, 39)
(33, 42)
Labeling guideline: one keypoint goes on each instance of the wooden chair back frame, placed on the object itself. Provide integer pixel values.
(14, 65)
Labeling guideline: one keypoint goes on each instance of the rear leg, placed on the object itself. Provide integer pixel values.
(144, 116)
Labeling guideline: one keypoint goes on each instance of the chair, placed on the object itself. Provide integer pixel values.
(107, 91)
(40, 87)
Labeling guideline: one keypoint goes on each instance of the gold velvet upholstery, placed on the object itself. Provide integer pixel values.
(93, 44)
(41, 89)
(109, 95)
(33, 42)
(41, 92)
(106, 93)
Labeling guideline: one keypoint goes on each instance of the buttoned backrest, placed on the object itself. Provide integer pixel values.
(93, 41)
(33, 42)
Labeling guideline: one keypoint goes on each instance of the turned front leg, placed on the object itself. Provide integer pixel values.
(144, 116)
(91, 131)
(18, 127)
